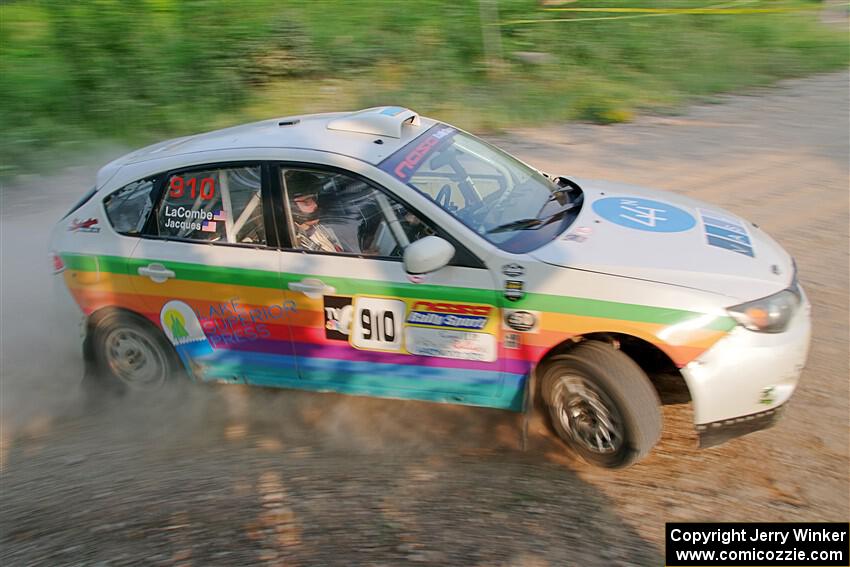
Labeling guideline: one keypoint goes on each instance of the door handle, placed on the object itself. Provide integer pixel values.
(156, 272)
(312, 288)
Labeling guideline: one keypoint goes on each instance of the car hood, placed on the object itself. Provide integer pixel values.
(634, 232)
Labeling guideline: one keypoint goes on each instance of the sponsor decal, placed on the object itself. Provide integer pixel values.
(444, 343)
(406, 161)
(574, 238)
(184, 330)
(643, 214)
(392, 111)
(449, 315)
(513, 270)
(583, 230)
(438, 328)
(186, 218)
(192, 187)
(768, 395)
(514, 290)
(233, 323)
(522, 321)
(726, 232)
(338, 311)
(377, 324)
(512, 340)
(192, 214)
(87, 225)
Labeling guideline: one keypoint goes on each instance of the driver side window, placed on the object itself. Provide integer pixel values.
(338, 213)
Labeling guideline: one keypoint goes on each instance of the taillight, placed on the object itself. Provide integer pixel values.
(58, 264)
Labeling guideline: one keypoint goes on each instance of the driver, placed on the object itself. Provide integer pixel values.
(310, 234)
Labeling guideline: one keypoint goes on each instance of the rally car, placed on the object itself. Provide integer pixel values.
(386, 254)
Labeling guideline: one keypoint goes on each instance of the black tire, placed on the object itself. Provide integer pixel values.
(130, 355)
(601, 404)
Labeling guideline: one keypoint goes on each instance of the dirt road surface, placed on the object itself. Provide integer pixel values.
(231, 475)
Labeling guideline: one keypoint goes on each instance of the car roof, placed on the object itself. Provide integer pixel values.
(353, 134)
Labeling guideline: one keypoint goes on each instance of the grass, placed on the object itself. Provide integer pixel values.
(76, 74)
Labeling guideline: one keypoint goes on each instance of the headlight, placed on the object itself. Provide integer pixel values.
(770, 314)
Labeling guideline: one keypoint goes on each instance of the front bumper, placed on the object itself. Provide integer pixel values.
(712, 434)
(738, 384)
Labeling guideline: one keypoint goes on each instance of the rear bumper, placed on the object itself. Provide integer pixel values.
(68, 318)
(738, 384)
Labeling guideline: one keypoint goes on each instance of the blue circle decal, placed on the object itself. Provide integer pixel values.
(643, 214)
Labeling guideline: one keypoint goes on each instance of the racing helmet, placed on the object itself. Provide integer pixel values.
(301, 184)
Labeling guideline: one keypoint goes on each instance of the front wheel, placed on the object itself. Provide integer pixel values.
(132, 355)
(601, 404)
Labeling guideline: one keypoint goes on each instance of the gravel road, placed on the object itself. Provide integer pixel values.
(231, 475)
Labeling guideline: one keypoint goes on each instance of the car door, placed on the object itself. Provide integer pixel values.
(361, 324)
(209, 273)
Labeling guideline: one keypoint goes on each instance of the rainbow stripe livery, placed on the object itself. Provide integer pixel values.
(260, 336)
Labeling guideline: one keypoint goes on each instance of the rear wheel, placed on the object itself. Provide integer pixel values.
(131, 354)
(601, 404)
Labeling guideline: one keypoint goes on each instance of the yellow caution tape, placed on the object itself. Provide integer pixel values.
(702, 11)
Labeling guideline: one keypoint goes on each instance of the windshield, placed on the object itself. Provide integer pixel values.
(489, 191)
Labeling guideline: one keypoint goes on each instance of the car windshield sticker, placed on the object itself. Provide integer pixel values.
(88, 225)
(726, 232)
(406, 161)
(338, 312)
(377, 324)
(643, 214)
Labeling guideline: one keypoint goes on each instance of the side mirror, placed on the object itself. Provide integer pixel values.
(427, 255)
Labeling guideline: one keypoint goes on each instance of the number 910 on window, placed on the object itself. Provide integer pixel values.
(179, 187)
(377, 324)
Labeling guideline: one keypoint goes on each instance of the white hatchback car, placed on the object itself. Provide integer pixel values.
(381, 253)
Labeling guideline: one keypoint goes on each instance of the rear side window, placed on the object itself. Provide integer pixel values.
(129, 207)
(214, 205)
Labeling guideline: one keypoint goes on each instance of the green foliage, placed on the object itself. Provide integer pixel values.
(72, 73)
